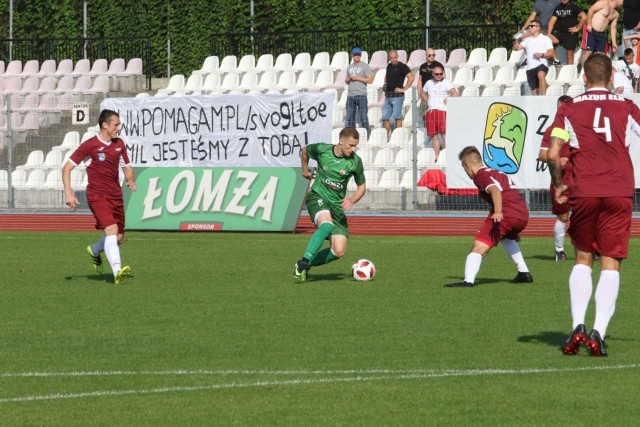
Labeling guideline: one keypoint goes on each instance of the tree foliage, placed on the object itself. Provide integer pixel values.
(188, 24)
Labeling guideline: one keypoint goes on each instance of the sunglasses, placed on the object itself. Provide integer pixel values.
(437, 74)
(534, 25)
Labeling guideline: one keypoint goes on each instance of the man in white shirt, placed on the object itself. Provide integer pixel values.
(622, 85)
(538, 49)
(436, 92)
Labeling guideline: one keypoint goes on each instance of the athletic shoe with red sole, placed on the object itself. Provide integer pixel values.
(575, 340)
(595, 344)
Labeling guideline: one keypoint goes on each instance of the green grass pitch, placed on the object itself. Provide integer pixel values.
(212, 330)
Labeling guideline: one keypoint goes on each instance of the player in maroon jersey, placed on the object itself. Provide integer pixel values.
(595, 127)
(507, 218)
(561, 210)
(107, 154)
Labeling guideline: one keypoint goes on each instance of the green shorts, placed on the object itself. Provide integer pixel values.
(316, 204)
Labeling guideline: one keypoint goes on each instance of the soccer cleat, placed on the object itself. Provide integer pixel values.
(122, 274)
(560, 256)
(522, 277)
(300, 270)
(575, 340)
(595, 344)
(96, 260)
(462, 284)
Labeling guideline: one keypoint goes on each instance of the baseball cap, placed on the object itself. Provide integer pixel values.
(356, 51)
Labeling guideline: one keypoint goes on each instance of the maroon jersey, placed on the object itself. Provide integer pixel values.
(103, 171)
(512, 204)
(565, 151)
(598, 123)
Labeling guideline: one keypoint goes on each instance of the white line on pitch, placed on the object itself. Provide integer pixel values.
(296, 381)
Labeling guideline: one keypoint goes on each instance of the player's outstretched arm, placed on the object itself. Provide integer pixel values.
(69, 197)
(496, 199)
(349, 202)
(304, 161)
(130, 178)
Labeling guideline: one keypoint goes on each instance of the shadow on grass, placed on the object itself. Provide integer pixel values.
(552, 338)
(313, 277)
(550, 258)
(483, 281)
(104, 277)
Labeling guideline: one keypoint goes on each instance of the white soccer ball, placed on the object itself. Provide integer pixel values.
(363, 270)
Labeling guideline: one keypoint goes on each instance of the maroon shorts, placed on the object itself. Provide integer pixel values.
(436, 121)
(557, 208)
(490, 232)
(108, 212)
(601, 224)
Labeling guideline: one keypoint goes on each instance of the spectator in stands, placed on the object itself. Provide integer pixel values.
(538, 49)
(569, 18)
(630, 19)
(631, 42)
(107, 153)
(394, 89)
(425, 74)
(600, 15)
(561, 211)
(358, 77)
(435, 94)
(507, 218)
(543, 10)
(622, 85)
(630, 68)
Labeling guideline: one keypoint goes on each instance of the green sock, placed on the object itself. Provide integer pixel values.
(318, 238)
(325, 256)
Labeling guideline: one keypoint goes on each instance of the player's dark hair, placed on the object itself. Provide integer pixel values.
(628, 51)
(349, 132)
(564, 98)
(598, 68)
(105, 116)
(470, 153)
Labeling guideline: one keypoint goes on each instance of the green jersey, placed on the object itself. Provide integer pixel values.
(333, 172)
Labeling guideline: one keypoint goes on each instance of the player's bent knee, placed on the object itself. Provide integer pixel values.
(339, 252)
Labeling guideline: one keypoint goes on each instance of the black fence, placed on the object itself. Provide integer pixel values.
(80, 48)
(372, 39)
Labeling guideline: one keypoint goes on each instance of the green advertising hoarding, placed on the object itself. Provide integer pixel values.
(215, 199)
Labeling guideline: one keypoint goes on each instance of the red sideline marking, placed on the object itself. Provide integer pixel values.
(358, 225)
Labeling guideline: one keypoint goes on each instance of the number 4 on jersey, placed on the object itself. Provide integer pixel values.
(605, 129)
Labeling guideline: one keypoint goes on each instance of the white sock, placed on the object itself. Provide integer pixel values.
(112, 251)
(99, 246)
(512, 248)
(580, 289)
(606, 296)
(472, 266)
(558, 232)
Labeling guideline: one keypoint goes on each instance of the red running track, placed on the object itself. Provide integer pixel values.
(381, 225)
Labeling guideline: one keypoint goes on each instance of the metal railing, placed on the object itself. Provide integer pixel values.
(371, 39)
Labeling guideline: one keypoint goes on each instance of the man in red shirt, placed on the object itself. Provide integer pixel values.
(602, 187)
(507, 218)
(561, 210)
(106, 153)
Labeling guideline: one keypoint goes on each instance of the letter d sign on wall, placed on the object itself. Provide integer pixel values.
(80, 114)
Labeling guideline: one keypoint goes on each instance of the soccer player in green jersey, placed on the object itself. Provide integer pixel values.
(326, 201)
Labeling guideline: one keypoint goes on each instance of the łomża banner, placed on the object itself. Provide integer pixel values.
(228, 162)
